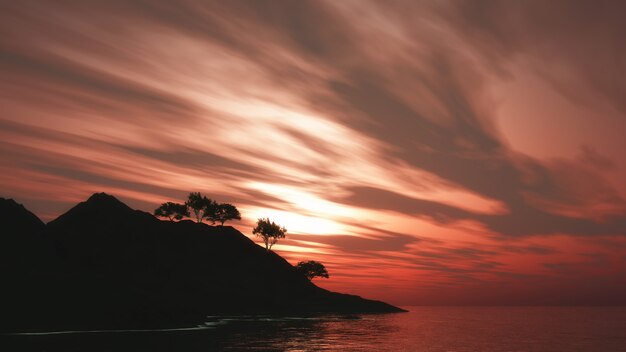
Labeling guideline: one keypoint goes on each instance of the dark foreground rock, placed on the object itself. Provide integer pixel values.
(105, 265)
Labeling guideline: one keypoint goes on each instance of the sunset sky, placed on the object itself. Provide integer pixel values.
(428, 152)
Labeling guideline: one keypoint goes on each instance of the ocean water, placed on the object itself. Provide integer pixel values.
(433, 329)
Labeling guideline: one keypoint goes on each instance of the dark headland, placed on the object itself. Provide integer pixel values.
(104, 265)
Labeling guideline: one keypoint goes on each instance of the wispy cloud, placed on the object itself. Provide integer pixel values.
(439, 145)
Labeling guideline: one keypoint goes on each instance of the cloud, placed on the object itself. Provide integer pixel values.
(574, 44)
(377, 131)
(521, 221)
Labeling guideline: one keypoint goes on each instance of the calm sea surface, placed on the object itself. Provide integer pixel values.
(422, 329)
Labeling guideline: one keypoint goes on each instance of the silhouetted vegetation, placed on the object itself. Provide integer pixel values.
(201, 206)
(312, 269)
(269, 231)
(224, 212)
(172, 211)
(103, 265)
(206, 208)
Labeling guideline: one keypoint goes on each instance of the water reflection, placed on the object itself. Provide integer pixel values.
(542, 329)
(311, 334)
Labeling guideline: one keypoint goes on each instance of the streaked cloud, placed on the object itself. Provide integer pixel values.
(417, 148)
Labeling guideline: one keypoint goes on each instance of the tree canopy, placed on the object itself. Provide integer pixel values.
(201, 206)
(172, 211)
(269, 231)
(312, 269)
(224, 212)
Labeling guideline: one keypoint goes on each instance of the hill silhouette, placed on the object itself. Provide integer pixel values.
(105, 265)
(23, 245)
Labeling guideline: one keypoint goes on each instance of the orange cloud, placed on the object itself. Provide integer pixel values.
(427, 153)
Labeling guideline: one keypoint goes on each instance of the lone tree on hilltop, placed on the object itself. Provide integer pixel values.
(224, 212)
(269, 231)
(202, 207)
(172, 211)
(312, 269)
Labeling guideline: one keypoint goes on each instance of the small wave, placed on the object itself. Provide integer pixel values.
(206, 326)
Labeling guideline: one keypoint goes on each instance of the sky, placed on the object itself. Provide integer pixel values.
(427, 152)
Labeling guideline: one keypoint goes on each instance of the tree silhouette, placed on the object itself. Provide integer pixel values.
(224, 212)
(269, 231)
(312, 269)
(172, 211)
(202, 207)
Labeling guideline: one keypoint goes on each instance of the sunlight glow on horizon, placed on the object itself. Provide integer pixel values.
(414, 156)
(297, 223)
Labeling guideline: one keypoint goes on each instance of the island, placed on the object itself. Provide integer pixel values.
(104, 265)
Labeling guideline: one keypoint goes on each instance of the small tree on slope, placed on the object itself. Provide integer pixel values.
(202, 207)
(312, 269)
(224, 212)
(269, 231)
(172, 211)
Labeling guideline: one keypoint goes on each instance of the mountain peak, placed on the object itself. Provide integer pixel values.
(102, 197)
(10, 203)
(98, 207)
(14, 212)
(105, 202)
